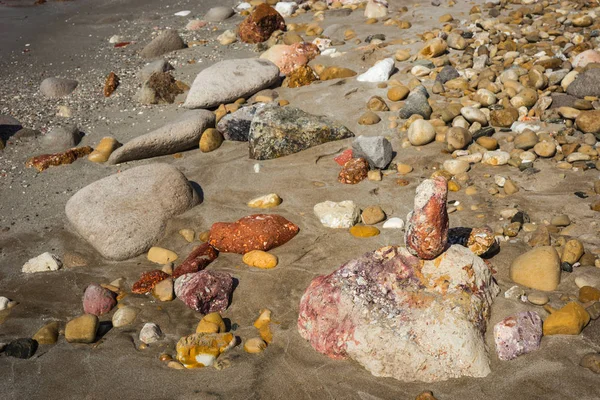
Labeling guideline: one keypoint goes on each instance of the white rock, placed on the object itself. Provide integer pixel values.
(577, 156)
(116, 39)
(150, 333)
(379, 72)
(519, 127)
(376, 9)
(420, 132)
(243, 6)
(337, 215)
(514, 292)
(184, 13)
(42, 263)
(471, 158)
(321, 43)
(393, 223)
(473, 115)
(496, 157)
(124, 316)
(499, 180)
(420, 71)
(4, 303)
(286, 9)
(227, 37)
(587, 276)
(456, 167)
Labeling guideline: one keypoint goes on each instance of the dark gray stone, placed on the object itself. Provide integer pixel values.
(447, 73)
(416, 103)
(236, 126)
(21, 348)
(280, 131)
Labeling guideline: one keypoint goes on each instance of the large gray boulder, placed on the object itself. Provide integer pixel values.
(54, 88)
(229, 80)
(179, 135)
(124, 214)
(164, 43)
(280, 131)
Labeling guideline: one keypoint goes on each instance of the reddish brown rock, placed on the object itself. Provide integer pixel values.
(112, 81)
(205, 291)
(259, 25)
(197, 260)
(344, 157)
(98, 300)
(45, 161)
(354, 171)
(148, 280)
(427, 228)
(254, 232)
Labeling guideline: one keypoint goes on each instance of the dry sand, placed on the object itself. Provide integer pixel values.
(71, 40)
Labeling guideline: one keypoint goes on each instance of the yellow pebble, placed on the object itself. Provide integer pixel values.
(188, 234)
(453, 186)
(364, 231)
(260, 259)
(104, 149)
(161, 256)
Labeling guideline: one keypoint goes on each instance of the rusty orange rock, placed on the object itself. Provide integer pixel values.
(45, 161)
(259, 25)
(112, 81)
(148, 280)
(354, 171)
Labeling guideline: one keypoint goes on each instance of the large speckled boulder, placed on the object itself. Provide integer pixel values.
(402, 317)
(281, 131)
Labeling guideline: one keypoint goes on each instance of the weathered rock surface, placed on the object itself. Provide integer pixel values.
(383, 311)
(164, 43)
(427, 225)
(124, 214)
(337, 215)
(416, 103)
(205, 291)
(61, 138)
(229, 80)
(289, 58)
(98, 300)
(254, 232)
(587, 83)
(518, 334)
(42, 263)
(236, 126)
(179, 135)
(259, 25)
(54, 88)
(197, 260)
(280, 131)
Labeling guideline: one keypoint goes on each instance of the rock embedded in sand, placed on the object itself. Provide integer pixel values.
(350, 314)
(504, 118)
(372, 215)
(495, 158)
(517, 335)
(148, 280)
(21, 348)
(61, 138)
(218, 14)
(54, 88)
(336, 73)
(150, 333)
(280, 131)
(202, 349)
(259, 25)
(337, 215)
(290, 57)
(236, 126)
(301, 76)
(572, 251)
(254, 232)
(42, 263)
(124, 316)
(592, 362)
(354, 171)
(380, 72)
(160, 88)
(421, 132)
(104, 149)
(260, 259)
(45, 161)
(47, 334)
(267, 201)
(569, 320)
(211, 140)
(153, 67)
(538, 269)
(82, 329)
(377, 150)
(205, 291)
(229, 80)
(197, 260)
(160, 255)
(364, 231)
(369, 118)
(427, 225)
(98, 300)
(111, 84)
(168, 41)
(182, 134)
(124, 214)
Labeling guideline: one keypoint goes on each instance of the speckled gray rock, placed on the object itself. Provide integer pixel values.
(586, 84)
(218, 14)
(416, 103)
(236, 126)
(152, 67)
(124, 214)
(447, 73)
(377, 150)
(229, 80)
(164, 43)
(54, 88)
(60, 139)
(179, 135)
(280, 131)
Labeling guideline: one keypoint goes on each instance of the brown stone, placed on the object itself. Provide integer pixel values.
(112, 81)
(197, 260)
(588, 293)
(148, 280)
(504, 118)
(336, 73)
(301, 76)
(354, 171)
(589, 121)
(254, 232)
(259, 25)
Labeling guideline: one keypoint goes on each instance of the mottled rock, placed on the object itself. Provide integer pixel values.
(229, 80)
(124, 214)
(254, 232)
(148, 280)
(354, 171)
(517, 335)
(21, 348)
(160, 88)
(166, 42)
(124, 316)
(182, 134)
(372, 215)
(337, 215)
(202, 349)
(352, 313)
(585, 84)
(205, 291)
(416, 103)
(45, 161)
(290, 57)
(150, 333)
(301, 76)
(427, 225)
(153, 67)
(236, 126)
(259, 25)
(280, 131)
(98, 300)
(42, 263)
(592, 362)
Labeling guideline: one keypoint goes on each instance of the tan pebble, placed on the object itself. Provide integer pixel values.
(188, 234)
(510, 187)
(283, 103)
(165, 357)
(204, 236)
(211, 140)
(175, 365)
(471, 190)
(255, 345)
(404, 169)
(374, 175)
(160, 255)
(453, 186)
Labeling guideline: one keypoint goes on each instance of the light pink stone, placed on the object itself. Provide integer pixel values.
(288, 58)
(586, 57)
(518, 334)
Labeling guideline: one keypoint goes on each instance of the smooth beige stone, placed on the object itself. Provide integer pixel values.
(161, 256)
(538, 269)
(266, 201)
(188, 234)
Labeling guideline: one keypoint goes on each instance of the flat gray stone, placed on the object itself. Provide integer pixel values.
(164, 43)
(61, 138)
(124, 214)
(179, 135)
(586, 84)
(54, 88)
(229, 80)
(218, 14)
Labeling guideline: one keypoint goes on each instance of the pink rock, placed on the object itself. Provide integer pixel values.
(427, 229)
(344, 157)
(288, 58)
(205, 291)
(195, 24)
(402, 317)
(586, 57)
(518, 334)
(98, 300)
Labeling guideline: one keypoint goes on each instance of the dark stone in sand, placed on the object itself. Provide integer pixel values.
(21, 348)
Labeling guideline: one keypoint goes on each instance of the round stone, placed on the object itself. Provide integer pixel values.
(538, 298)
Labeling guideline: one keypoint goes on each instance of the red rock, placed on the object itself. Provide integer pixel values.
(98, 300)
(45, 161)
(354, 171)
(148, 280)
(205, 291)
(197, 260)
(427, 228)
(344, 157)
(254, 232)
(259, 25)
